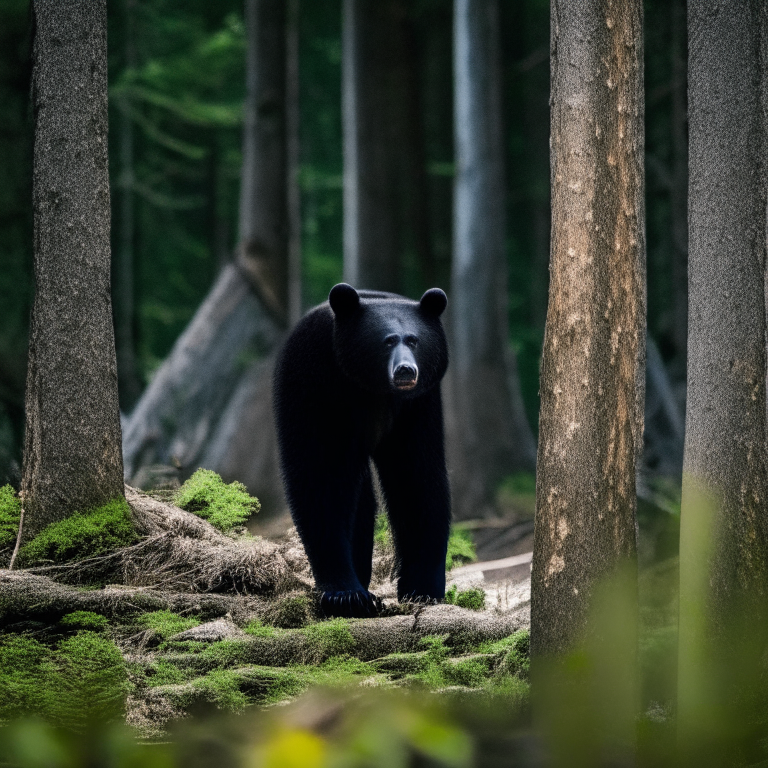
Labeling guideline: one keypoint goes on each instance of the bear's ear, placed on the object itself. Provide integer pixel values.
(343, 299)
(433, 302)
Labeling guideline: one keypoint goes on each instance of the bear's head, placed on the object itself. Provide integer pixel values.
(388, 344)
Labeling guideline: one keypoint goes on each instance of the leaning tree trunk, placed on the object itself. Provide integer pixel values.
(724, 521)
(592, 372)
(491, 431)
(72, 458)
(210, 402)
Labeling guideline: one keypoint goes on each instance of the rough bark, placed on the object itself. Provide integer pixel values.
(72, 458)
(491, 429)
(264, 191)
(592, 374)
(724, 521)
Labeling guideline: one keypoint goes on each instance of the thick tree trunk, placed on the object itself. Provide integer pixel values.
(592, 373)
(72, 458)
(264, 192)
(491, 429)
(724, 521)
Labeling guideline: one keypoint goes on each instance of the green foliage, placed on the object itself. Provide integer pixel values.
(223, 506)
(10, 512)
(164, 672)
(473, 598)
(81, 680)
(382, 534)
(461, 549)
(81, 535)
(85, 620)
(166, 623)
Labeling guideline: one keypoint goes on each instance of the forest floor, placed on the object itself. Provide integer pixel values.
(187, 616)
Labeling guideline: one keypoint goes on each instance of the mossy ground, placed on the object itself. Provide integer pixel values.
(85, 666)
(223, 506)
(83, 534)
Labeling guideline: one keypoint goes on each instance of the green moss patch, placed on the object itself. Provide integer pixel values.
(10, 512)
(81, 535)
(165, 623)
(223, 506)
(85, 620)
(329, 638)
(81, 680)
(474, 598)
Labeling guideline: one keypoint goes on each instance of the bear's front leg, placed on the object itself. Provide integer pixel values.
(411, 465)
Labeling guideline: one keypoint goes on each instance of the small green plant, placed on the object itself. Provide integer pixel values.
(165, 623)
(473, 598)
(83, 534)
(85, 620)
(461, 549)
(224, 506)
(10, 511)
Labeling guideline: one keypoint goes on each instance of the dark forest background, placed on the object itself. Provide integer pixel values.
(177, 85)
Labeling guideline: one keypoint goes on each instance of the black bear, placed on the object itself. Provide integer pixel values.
(358, 380)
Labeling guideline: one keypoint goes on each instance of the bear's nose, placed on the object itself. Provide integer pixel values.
(405, 376)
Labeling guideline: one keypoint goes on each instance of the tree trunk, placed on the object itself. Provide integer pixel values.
(724, 521)
(293, 143)
(129, 385)
(372, 241)
(491, 429)
(679, 185)
(179, 412)
(592, 372)
(264, 192)
(210, 402)
(72, 459)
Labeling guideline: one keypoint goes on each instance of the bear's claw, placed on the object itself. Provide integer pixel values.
(351, 604)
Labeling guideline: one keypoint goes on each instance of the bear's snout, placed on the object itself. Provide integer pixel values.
(405, 376)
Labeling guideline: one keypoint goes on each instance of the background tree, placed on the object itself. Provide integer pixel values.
(724, 520)
(591, 422)
(123, 301)
(385, 185)
(210, 403)
(264, 187)
(72, 456)
(490, 428)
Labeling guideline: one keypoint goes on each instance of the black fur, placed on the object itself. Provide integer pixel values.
(346, 392)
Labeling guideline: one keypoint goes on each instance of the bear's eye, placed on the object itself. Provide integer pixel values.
(410, 341)
(390, 341)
